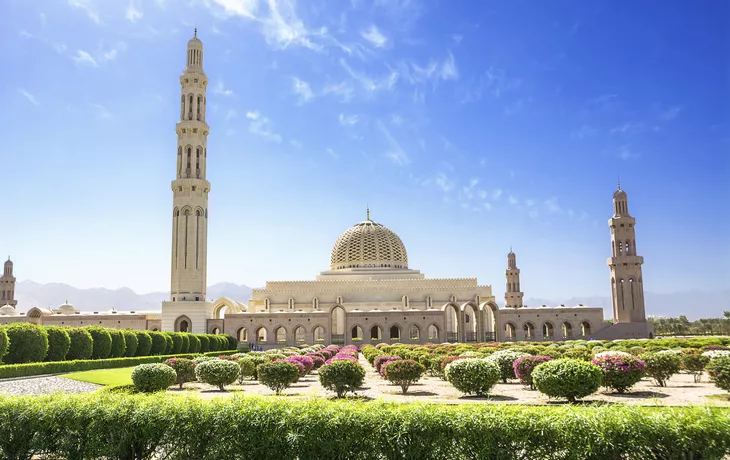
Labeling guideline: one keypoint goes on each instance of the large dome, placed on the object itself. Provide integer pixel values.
(368, 245)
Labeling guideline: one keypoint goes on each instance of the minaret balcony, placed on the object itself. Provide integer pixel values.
(621, 260)
(188, 125)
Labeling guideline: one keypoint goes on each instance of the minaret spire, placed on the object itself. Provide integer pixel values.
(368, 211)
(513, 296)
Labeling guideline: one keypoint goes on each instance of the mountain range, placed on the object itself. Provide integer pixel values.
(693, 304)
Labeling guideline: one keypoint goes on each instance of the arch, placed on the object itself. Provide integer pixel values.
(280, 334)
(510, 331)
(242, 334)
(261, 335)
(300, 335)
(183, 324)
(414, 332)
(356, 333)
(567, 329)
(394, 332)
(548, 330)
(451, 320)
(318, 333)
(471, 321)
(585, 328)
(215, 330)
(337, 324)
(376, 333)
(230, 306)
(529, 329)
(490, 313)
(433, 332)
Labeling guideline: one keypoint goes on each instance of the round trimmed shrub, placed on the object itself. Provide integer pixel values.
(4, 343)
(169, 343)
(59, 343)
(257, 358)
(305, 361)
(82, 345)
(177, 343)
(403, 372)
(184, 342)
(277, 375)
(248, 368)
(102, 342)
(317, 361)
(567, 378)
(204, 342)
(218, 372)
(28, 343)
(232, 342)
(194, 343)
(719, 370)
(119, 345)
(159, 344)
(184, 368)
(661, 366)
(144, 343)
(341, 376)
(505, 360)
(473, 376)
(213, 343)
(620, 372)
(694, 362)
(153, 377)
(382, 359)
(130, 342)
(524, 366)
(583, 354)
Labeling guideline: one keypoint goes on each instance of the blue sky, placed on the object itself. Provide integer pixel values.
(468, 126)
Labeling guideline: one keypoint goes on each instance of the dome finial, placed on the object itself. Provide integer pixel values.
(195, 33)
(368, 211)
(619, 183)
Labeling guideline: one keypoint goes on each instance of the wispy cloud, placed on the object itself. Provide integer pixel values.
(671, 114)
(371, 84)
(625, 153)
(348, 120)
(344, 90)
(494, 81)
(262, 126)
(88, 7)
(82, 58)
(57, 47)
(583, 132)
(628, 128)
(444, 183)
(395, 152)
(434, 71)
(31, 98)
(374, 36)
(603, 99)
(231, 114)
(244, 8)
(302, 89)
(332, 153)
(133, 12)
(497, 194)
(551, 204)
(114, 51)
(101, 111)
(220, 88)
(513, 200)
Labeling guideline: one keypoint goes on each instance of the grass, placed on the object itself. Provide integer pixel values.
(107, 377)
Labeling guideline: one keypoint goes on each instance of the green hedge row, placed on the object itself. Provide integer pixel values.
(120, 426)
(57, 367)
(29, 343)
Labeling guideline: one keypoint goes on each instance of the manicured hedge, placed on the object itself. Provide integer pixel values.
(57, 367)
(119, 345)
(144, 343)
(28, 343)
(82, 344)
(4, 343)
(130, 342)
(101, 340)
(59, 343)
(114, 425)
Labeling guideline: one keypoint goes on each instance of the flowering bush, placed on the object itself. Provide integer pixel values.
(341, 357)
(567, 378)
(305, 361)
(694, 362)
(201, 359)
(719, 370)
(524, 366)
(403, 372)
(603, 354)
(712, 354)
(317, 361)
(505, 359)
(620, 372)
(341, 376)
(380, 360)
(278, 375)
(661, 366)
(473, 376)
(218, 372)
(301, 369)
(184, 368)
(153, 377)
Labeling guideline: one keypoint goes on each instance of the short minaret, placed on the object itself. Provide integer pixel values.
(7, 285)
(190, 196)
(513, 296)
(627, 285)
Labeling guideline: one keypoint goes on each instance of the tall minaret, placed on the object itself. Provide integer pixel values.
(7, 285)
(627, 285)
(190, 194)
(513, 295)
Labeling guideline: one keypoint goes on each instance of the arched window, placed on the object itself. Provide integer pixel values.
(280, 334)
(376, 334)
(200, 103)
(529, 330)
(394, 333)
(300, 335)
(585, 328)
(357, 333)
(319, 334)
(216, 330)
(510, 331)
(261, 335)
(242, 335)
(414, 332)
(567, 330)
(628, 248)
(433, 333)
(547, 330)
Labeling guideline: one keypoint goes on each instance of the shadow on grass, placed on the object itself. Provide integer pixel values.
(495, 398)
(563, 402)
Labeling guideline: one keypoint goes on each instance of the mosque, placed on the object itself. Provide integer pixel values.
(368, 295)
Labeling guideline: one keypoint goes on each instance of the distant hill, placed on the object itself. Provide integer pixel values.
(693, 304)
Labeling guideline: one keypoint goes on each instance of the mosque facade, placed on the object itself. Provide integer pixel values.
(369, 294)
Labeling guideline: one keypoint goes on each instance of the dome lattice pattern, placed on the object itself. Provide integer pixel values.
(368, 245)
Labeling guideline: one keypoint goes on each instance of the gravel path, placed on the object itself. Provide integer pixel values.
(44, 385)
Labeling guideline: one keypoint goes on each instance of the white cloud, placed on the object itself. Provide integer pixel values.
(434, 71)
(551, 204)
(671, 114)
(344, 90)
(114, 51)
(231, 114)
(133, 12)
(101, 111)
(219, 88)
(245, 8)
(348, 120)
(396, 120)
(332, 153)
(488, 206)
(583, 132)
(448, 68)
(295, 143)
(370, 84)
(625, 153)
(457, 38)
(283, 28)
(88, 8)
(84, 58)
(530, 203)
(262, 126)
(302, 89)
(374, 36)
(513, 199)
(444, 183)
(29, 96)
(628, 128)
(395, 152)
(497, 194)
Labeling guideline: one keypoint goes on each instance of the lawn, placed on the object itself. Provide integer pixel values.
(108, 377)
